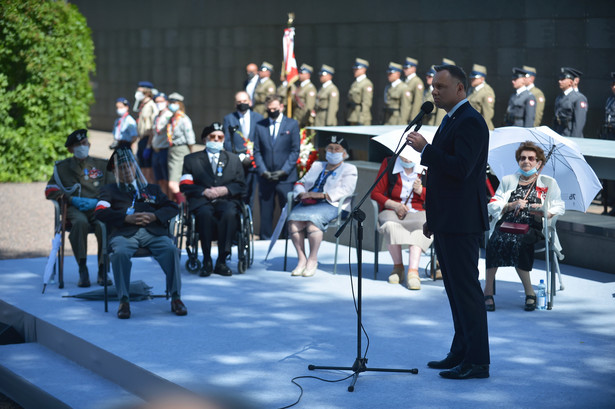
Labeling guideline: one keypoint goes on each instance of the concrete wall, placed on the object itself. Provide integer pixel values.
(200, 48)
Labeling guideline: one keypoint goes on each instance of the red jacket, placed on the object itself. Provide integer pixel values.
(379, 194)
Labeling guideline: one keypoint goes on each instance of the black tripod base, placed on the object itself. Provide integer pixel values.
(360, 365)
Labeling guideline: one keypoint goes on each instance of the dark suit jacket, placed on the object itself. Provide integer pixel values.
(113, 203)
(457, 159)
(281, 155)
(197, 175)
(232, 139)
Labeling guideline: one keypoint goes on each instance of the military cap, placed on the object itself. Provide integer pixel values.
(575, 72)
(519, 73)
(215, 126)
(76, 137)
(446, 61)
(340, 140)
(176, 97)
(411, 62)
(360, 63)
(530, 70)
(478, 71)
(431, 71)
(567, 72)
(145, 84)
(123, 101)
(326, 69)
(266, 66)
(123, 154)
(306, 68)
(394, 67)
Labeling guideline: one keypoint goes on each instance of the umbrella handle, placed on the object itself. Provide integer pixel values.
(64, 206)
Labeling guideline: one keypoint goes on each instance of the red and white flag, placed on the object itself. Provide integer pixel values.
(290, 64)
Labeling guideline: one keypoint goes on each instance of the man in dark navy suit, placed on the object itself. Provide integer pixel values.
(276, 150)
(239, 129)
(456, 208)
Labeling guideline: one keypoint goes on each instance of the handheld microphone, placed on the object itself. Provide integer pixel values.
(426, 108)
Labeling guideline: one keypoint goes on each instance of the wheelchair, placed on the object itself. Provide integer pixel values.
(186, 235)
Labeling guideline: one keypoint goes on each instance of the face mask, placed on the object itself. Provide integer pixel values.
(121, 111)
(81, 151)
(161, 105)
(139, 95)
(174, 107)
(274, 113)
(528, 173)
(214, 147)
(406, 165)
(334, 158)
(242, 107)
(251, 75)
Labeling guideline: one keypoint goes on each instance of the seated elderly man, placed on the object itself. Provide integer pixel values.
(138, 213)
(213, 182)
(78, 179)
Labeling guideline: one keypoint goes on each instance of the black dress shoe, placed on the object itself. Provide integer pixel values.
(223, 270)
(101, 279)
(466, 371)
(207, 268)
(124, 311)
(178, 307)
(84, 276)
(449, 362)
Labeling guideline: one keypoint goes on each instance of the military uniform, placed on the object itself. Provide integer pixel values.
(540, 103)
(482, 98)
(435, 117)
(327, 100)
(304, 102)
(521, 110)
(570, 114)
(608, 129)
(396, 103)
(360, 98)
(264, 87)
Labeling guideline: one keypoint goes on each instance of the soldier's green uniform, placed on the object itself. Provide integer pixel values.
(396, 97)
(415, 88)
(538, 94)
(264, 87)
(304, 99)
(327, 101)
(360, 97)
(435, 117)
(482, 97)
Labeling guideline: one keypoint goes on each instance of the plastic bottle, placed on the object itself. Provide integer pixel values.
(541, 295)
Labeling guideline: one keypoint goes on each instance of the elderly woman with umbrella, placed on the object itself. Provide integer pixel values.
(516, 211)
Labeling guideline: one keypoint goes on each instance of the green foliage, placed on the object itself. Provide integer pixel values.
(46, 57)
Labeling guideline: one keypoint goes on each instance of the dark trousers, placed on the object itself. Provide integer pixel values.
(267, 191)
(458, 257)
(216, 220)
(78, 236)
(251, 178)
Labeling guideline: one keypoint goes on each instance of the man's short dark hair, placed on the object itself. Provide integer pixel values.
(274, 97)
(456, 72)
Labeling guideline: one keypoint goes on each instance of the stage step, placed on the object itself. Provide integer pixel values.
(36, 377)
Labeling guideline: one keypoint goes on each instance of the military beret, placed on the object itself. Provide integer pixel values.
(519, 73)
(76, 137)
(121, 154)
(530, 70)
(215, 126)
(340, 140)
(478, 71)
(123, 101)
(306, 68)
(431, 72)
(326, 69)
(176, 97)
(394, 67)
(266, 66)
(446, 61)
(411, 62)
(146, 84)
(360, 63)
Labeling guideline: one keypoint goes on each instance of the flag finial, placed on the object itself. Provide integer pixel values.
(291, 19)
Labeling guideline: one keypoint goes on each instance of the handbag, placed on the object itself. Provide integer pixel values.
(517, 228)
(309, 201)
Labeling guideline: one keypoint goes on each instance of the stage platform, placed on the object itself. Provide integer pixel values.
(249, 335)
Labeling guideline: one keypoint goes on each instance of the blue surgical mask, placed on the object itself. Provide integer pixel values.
(174, 107)
(213, 146)
(528, 173)
(406, 165)
(334, 158)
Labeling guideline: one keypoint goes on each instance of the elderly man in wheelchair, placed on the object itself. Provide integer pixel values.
(213, 183)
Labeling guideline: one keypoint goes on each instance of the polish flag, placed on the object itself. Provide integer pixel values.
(290, 64)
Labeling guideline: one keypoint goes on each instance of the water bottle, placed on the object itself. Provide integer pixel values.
(541, 295)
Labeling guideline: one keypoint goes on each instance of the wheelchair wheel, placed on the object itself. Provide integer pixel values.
(193, 265)
(241, 266)
(179, 228)
(192, 246)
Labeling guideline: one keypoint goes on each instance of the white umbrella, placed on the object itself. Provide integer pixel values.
(391, 140)
(51, 261)
(566, 164)
(277, 230)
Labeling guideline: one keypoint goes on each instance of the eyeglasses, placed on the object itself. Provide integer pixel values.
(530, 158)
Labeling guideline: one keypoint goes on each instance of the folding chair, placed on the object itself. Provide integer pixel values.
(552, 257)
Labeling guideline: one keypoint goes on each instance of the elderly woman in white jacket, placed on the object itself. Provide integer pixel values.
(520, 198)
(319, 192)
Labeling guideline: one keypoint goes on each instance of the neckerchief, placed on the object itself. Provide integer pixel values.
(171, 125)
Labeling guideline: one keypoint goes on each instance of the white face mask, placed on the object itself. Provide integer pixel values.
(139, 95)
(214, 147)
(161, 105)
(121, 111)
(81, 151)
(334, 158)
(406, 165)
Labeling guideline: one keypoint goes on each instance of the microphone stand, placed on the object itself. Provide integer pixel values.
(360, 363)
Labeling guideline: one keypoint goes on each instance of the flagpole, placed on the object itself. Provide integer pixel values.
(288, 44)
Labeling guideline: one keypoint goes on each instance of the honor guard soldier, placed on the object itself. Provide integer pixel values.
(570, 106)
(264, 87)
(360, 95)
(608, 129)
(305, 97)
(538, 94)
(481, 95)
(327, 99)
(415, 87)
(396, 97)
(521, 109)
(434, 117)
